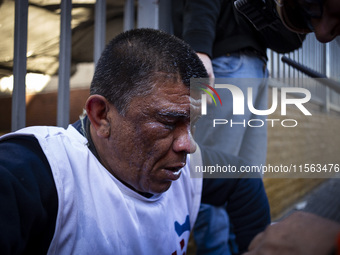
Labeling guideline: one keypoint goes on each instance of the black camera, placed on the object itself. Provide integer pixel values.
(261, 13)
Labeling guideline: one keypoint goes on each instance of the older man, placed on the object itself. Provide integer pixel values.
(117, 181)
(99, 186)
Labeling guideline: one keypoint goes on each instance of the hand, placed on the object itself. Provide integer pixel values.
(299, 234)
(207, 64)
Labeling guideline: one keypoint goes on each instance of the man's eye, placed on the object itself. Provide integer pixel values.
(169, 125)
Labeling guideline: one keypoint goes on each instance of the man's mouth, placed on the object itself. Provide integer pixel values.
(174, 172)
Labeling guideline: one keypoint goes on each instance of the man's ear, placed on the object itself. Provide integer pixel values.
(97, 108)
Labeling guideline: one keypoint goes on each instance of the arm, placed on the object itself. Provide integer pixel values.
(198, 27)
(249, 211)
(28, 198)
(247, 203)
(199, 24)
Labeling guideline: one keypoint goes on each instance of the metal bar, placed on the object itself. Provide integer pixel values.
(129, 15)
(277, 65)
(148, 13)
(323, 78)
(165, 17)
(99, 29)
(63, 109)
(302, 68)
(20, 65)
(327, 98)
(272, 64)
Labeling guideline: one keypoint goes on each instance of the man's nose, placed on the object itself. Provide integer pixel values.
(184, 141)
(326, 29)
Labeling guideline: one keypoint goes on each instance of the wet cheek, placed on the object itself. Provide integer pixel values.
(156, 140)
(155, 131)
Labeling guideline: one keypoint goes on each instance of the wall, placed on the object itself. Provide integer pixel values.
(41, 109)
(315, 139)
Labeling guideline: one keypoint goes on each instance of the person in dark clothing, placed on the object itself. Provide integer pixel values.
(304, 232)
(233, 52)
(316, 16)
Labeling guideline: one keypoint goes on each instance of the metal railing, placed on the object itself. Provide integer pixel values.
(19, 65)
(151, 13)
(323, 58)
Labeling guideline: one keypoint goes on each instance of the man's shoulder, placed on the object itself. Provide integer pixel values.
(21, 157)
(29, 193)
(21, 145)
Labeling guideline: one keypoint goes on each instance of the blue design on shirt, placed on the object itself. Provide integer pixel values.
(180, 229)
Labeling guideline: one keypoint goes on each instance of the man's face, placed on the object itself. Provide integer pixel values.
(148, 146)
(328, 26)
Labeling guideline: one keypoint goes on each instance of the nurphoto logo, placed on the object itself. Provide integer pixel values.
(243, 101)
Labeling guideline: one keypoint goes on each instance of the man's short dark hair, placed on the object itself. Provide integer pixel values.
(134, 60)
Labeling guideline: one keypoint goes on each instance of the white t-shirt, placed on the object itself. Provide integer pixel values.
(97, 214)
